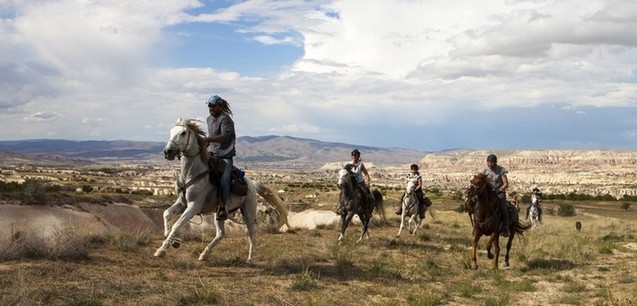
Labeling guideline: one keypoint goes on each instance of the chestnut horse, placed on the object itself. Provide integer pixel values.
(484, 209)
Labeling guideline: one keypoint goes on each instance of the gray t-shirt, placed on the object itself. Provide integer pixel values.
(222, 125)
(495, 176)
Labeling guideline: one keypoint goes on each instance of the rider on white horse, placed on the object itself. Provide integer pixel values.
(415, 178)
(221, 139)
(538, 196)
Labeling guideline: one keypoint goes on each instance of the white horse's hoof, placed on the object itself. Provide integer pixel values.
(159, 253)
(202, 257)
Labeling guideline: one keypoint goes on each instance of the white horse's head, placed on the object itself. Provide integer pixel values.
(411, 186)
(343, 177)
(180, 140)
(534, 199)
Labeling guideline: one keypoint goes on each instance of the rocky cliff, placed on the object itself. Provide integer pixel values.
(594, 172)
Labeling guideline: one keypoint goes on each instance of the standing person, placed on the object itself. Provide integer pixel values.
(497, 176)
(363, 179)
(415, 177)
(220, 141)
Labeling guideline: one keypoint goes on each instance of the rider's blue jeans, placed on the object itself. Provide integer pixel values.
(226, 164)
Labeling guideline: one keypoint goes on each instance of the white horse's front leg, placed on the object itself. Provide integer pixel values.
(172, 235)
(176, 208)
(219, 224)
(417, 225)
(402, 222)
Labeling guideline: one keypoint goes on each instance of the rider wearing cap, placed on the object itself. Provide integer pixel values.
(497, 176)
(220, 141)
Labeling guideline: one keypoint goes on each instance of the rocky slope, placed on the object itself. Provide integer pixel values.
(594, 172)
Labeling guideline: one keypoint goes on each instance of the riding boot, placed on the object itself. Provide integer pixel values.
(505, 218)
(222, 214)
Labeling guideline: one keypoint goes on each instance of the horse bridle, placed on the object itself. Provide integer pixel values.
(183, 186)
(183, 152)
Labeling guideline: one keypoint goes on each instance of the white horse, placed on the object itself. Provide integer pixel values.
(410, 210)
(194, 190)
(534, 213)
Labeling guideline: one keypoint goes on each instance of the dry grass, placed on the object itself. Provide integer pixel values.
(553, 264)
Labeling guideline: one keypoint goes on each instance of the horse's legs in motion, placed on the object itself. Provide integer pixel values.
(185, 217)
(509, 243)
(345, 220)
(474, 245)
(365, 218)
(402, 221)
(495, 239)
(176, 208)
(219, 224)
(417, 223)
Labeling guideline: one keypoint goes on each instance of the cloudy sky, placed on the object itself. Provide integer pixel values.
(426, 75)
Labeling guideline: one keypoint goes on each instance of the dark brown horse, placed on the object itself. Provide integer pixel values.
(354, 201)
(486, 215)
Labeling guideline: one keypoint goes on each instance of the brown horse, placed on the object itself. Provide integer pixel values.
(486, 215)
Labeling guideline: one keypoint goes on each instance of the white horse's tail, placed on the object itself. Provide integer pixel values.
(272, 198)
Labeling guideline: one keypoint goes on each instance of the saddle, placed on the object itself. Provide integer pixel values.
(238, 184)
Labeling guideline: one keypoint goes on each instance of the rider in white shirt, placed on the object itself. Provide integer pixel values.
(363, 179)
(415, 178)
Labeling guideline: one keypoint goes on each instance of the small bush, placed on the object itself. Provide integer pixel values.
(304, 280)
(64, 244)
(87, 188)
(566, 210)
(625, 206)
(34, 192)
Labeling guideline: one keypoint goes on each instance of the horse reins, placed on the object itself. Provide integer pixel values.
(183, 186)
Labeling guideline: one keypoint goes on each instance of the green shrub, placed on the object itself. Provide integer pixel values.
(34, 192)
(566, 210)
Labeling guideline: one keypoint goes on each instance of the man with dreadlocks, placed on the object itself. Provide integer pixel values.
(220, 141)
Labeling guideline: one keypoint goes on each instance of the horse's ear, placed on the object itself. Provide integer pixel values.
(179, 120)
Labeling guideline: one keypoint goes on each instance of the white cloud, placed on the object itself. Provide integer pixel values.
(42, 116)
(395, 63)
(302, 128)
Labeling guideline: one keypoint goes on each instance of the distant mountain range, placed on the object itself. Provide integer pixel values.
(267, 151)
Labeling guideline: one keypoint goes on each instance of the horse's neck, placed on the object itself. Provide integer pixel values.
(192, 166)
(409, 198)
(485, 207)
